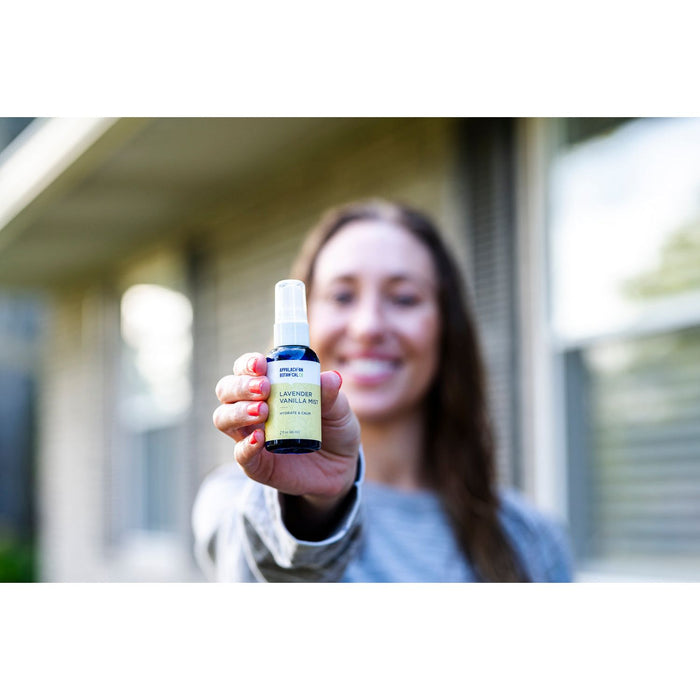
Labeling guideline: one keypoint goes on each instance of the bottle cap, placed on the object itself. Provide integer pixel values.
(291, 324)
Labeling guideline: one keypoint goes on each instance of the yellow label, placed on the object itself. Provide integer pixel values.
(295, 406)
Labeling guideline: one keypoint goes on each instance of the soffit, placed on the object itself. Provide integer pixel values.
(142, 181)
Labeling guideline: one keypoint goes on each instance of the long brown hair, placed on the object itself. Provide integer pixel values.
(461, 467)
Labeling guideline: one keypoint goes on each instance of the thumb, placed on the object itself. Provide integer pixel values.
(341, 428)
(330, 390)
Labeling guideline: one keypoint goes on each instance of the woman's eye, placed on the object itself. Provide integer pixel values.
(342, 298)
(405, 299)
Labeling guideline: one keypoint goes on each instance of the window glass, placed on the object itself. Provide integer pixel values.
(625, 224)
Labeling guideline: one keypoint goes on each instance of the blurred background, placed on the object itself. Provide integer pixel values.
(138, 259)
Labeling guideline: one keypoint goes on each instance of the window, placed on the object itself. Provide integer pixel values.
(154, 400)
(624, 242)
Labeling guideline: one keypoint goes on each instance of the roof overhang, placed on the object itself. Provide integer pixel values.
(78, 194)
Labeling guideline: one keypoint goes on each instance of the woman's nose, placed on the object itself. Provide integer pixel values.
(367, 320)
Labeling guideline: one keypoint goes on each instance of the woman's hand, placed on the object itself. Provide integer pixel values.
(321, 478)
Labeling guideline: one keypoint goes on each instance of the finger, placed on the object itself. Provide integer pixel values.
(248, 452)
(242, 387)
(238, 419)
(251, 363)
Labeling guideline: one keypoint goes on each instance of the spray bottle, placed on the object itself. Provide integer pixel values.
(294, 422)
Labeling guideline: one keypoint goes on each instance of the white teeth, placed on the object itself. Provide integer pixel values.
(369, 366)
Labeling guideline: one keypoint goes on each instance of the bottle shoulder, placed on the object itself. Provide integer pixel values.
(292, 352)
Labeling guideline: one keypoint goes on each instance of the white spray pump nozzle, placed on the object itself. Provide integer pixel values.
(291, 324)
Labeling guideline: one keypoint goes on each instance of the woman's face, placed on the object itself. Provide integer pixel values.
(374, 316)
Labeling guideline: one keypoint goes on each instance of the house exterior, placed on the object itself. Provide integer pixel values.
(157, 243)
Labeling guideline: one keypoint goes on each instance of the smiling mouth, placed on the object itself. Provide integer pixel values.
(369, 369)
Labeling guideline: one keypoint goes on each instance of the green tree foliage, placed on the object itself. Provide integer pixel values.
(678, 269)
(17, 561)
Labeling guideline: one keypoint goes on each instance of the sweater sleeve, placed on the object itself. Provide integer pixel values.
(240, 534)
(541, 540)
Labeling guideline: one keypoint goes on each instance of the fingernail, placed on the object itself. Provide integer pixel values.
(254, 409)
(255, 386)
(339, 377)
(251, 364)
(253, 441)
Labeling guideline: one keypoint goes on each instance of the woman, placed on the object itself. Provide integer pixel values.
(418, 501)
